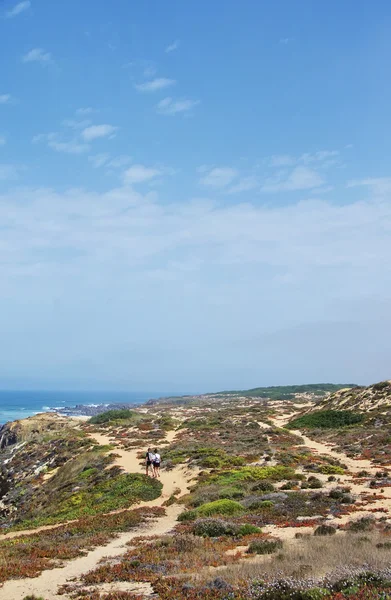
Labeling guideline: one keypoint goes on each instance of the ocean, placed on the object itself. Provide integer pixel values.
(21, 404)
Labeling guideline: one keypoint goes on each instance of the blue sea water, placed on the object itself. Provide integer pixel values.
(21, 404)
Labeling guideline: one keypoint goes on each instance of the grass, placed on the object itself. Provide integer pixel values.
(326, 419)
(314, 556)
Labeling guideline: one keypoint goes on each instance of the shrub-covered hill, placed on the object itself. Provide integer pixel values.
(357, 420)
(52, 471)
(376, 396)
(311, 391)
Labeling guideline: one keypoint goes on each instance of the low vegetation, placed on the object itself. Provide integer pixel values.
(326, 419)
(29, 555)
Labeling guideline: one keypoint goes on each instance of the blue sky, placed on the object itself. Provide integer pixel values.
(194, 196)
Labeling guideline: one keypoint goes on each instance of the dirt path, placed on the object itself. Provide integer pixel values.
(47, 583)
(360, 490)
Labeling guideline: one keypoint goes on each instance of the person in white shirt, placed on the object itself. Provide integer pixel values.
(156, 463)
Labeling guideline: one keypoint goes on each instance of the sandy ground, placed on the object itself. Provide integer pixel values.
(47, 583)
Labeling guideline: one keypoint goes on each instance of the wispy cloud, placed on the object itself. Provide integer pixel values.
(37, 55)
(323, 158)
(55, 142)
(245, 184)
(5, 98)
(82, 112)
(219, 177)
(172, 47)
(140, 174)
(300, 178)
(99, 131)
(8, 171)
(285, 40)
(160, 83)
(169, 106)
(98, 160)
(3, 140)
(18, 9)
(104, 160)
(378, 185)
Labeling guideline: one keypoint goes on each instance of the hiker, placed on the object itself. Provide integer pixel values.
(156, 463)
(149, 458)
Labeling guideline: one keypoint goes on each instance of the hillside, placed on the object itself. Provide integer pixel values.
(305, 392)
(287, 392)
(376, 396)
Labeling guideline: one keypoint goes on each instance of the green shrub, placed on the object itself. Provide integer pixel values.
(326, 419)
(363, 524)
(214, 528)
(220, 507)
(325, 530)
(314, 483)
(264, 546)
(248, 529)
(276, 473)
(263, 486)
(331, 470)
(260, 504)
(113, 415)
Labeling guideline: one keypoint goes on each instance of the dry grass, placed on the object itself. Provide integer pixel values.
(312, 557)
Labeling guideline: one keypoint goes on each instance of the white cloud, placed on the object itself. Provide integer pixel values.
(300, 178)
(140, 174)
(219, 177)
(37, 55)
(120, 161)
(172, 47)
(282, 160)
(8, 171)
(55, 142)
(378, 185)
(74, 124)
(5, 98)
(18, 9)
(160, 83)
(2, 140)
(285, 40)
(246, 184)
(99, 131)
(168, 106)
(85, 111)
(99, 160)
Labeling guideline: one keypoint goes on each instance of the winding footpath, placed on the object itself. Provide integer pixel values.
(47, 584)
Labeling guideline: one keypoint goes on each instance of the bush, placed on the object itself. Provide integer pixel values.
(326, 419)
(260, 504)
(220, 507)
(331, 470)
(325, 530)
(214, 527)
(264, 546)
(363, 524)
(248, 529)
(277, 473)
(263, 486)
(314, 483)
(113, 415)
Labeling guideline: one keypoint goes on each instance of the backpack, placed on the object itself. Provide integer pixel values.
(151, 456)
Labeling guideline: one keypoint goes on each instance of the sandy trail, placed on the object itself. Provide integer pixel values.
(47, 583)
(360, 490)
